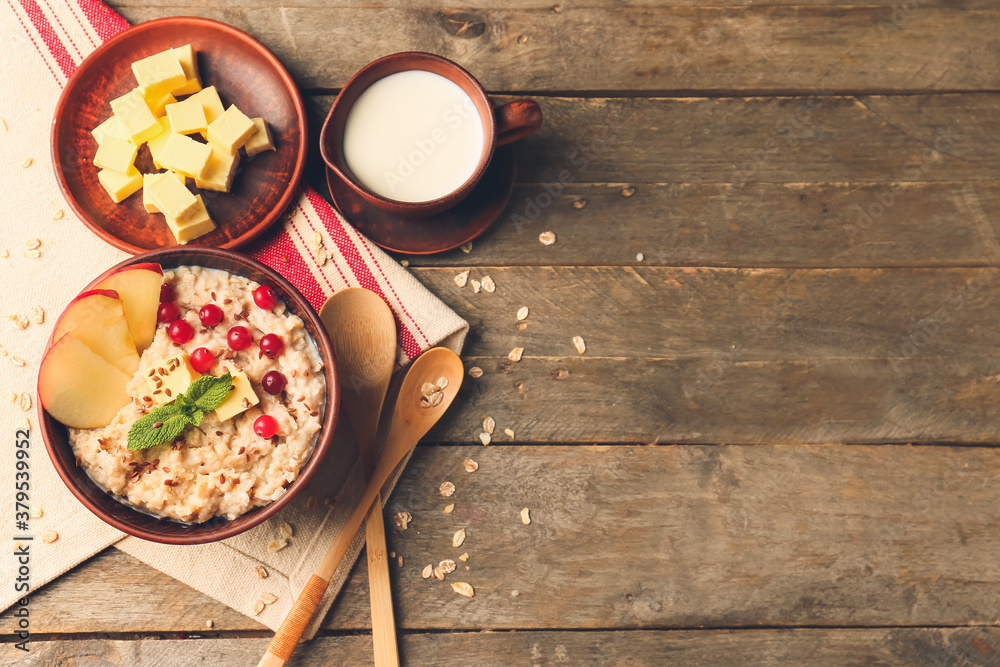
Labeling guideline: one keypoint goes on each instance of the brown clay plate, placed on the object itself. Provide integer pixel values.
(244, 72)
(436, 233)
(152, 528)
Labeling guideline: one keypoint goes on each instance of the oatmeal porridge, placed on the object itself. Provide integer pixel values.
(226, 465)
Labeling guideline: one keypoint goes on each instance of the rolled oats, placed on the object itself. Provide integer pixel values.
(268, 598)
(448, 509)
(258, 606)
(427, 571)
(522, 313)
(509, 433)
(32, 254)
(463, 588)
(515, 354)
(476, 286)
(467, 247)
(639, 257)
(403, 519)
(27, 163)
(285, 530)
(462, 279)
(470, 465)
(578, 343)
(261, 571)
(37, 513)
(489, 425)
(447, 566)
(579, 203)
(18, 321)
(17, 361)
(277, 545)
(464, 557)
(485, 438)
(458, 538)
(38, 315)
(58, 215)
(50, 536)
(209, 624)
(399, 561)
(489, 285)
(525, 516)
(25, 402)
(547, 238)
(476, 372)
(438, 574)
(628, 191)
(447, 489)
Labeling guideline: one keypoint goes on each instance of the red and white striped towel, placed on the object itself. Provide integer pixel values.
(44, 41)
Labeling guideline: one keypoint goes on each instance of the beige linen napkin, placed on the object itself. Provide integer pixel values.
(44, 41)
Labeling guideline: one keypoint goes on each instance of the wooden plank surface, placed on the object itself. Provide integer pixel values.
(643, 537)
(762, 48)
(903, 647)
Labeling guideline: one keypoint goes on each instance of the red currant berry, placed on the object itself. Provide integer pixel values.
(180, 331)
(272, 345)
(210, 315)
(265, 297)
(167, 293)
(202, 359)
(265, 426)
(239, 338)
(168, 312)
(273, 382)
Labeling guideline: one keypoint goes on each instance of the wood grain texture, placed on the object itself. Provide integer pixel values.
(750, 48)
(643, 537)
(885, 647)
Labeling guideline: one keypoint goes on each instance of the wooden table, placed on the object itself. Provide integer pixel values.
(777, 447)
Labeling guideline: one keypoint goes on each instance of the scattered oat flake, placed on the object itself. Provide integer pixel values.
(522, 313)
(485, 438)
(403, 519)
(4, 253)
(639, 257)
(37, 513)
(405, 263)
(58, 215)
(25, 402)
(261, 571)
(28, 163)
(438, 574)
(33, 244)
(509, 433)
(32, 254)
(400, 561)
(525, 516)
(311, 503)
(50, 536)
(10, 397)
(458, 538)
(449, 508)
(579, 203)
(464, 557)
(476, 372)
(427, 571)
(489, 285)
(515, 354)
(547, 238)
(258, 606)
(560, 374)
(462, 279)
(18, 321)
(209, 624)
(463, 588)
(24, 424)
(38, 315)
(442, 382)
(578, 343)
(285, 530)
(514, 593)
(470, 465)
(476, 286)
(3, 123)
(268, 598)
(522, 39)
(489, 425)
(628, 192)
(467, 247)
(447, 566)
(276, 545)
(447, 489)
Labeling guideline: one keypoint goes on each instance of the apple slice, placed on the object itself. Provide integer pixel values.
(97, 317)
(78, 387)
(138, 287)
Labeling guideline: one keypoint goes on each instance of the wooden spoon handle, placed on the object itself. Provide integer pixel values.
(383, 622)
(288, 635)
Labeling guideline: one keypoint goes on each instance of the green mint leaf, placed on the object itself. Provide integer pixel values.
(145, 433)
(209, 392)
(197, 416)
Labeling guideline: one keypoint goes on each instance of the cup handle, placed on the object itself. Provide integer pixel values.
(516, 120)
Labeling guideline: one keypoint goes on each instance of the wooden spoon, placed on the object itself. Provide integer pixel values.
(410, 421)
(363, 333)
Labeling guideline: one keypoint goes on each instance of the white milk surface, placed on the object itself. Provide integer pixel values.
(413, 136)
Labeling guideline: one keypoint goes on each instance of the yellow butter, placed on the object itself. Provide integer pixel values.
(159, 74)
(156, 143)
(183, 154)
(147, 180)
(194, 225)
(209, 98)
(187, 117)
(188, 59)
(231, 129)
(241, 398)
(118, 185)
(261, 140)
(133, 112)
(116, 155)
(157, 103)
(171, 377)
(170, 197)
(112, 127)
(221, 170)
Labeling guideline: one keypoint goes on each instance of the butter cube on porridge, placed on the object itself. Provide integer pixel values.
(170, 378)
(241, 397)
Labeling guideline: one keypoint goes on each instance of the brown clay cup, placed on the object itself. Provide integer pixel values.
(502, 125)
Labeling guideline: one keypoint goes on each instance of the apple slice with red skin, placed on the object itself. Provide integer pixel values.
(79, 387)
(97, 318)
(138, 287)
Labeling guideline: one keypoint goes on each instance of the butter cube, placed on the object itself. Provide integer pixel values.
(261, 140)
(159, 74)
(133, 112)
(119, 185)
(156, 143)
(187, 117)
(112, 127)
(231, 129)
(209, 98)
(170, 197)
(183, 154)
(189, 63)
(156, 103)
(221, 170)
(171, 377)
(147, 181)
(240, 399)
(196, 224)
(116, 155)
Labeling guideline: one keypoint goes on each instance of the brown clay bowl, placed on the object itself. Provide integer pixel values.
(244, 72)
(165, 531)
